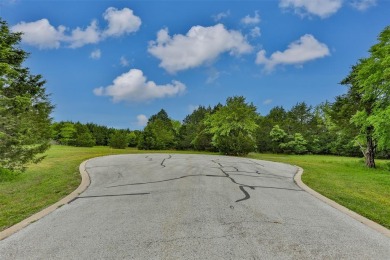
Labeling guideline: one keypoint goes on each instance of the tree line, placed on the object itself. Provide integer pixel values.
(90, 134)
(235, 128)
(356, 123)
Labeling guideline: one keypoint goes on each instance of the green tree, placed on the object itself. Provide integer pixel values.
(119, 140)
(278, 136)
(191, 127)
(276, 116)
(296, 146)
(370, 81)
(203, 139)
(67, 133)
(101, 134)
(299, 118)
(83, 137)
(24, 106)
(159, 133)
(133, 139)
(233, 127)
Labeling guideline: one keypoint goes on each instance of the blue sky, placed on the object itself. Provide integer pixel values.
(116, 63)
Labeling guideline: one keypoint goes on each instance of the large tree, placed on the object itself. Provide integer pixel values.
(24, 106)
(233, 127)
(159, 133)
(192, 134)
(369, 82)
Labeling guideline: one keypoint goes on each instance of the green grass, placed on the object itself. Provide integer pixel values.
(342, 179)
(346, 181)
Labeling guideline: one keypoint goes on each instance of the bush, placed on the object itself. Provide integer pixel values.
(118, 140)
(295, 146)
(85, 140)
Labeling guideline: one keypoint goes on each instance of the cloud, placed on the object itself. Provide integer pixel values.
(133, 86)
(120, 21)
(124, 62)
(142, 120)
(220, 16)
(363, 5)
(96, 54)
(43, 35)
(321, 8)
(305, 49)
(251, 20)
(267, 101)
(255, 32)
(198, 46)
(80, 37)
(40, 34)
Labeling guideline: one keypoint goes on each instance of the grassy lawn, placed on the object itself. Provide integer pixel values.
(342, 179)
(346, 181)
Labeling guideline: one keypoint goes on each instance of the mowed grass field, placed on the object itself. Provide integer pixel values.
(342, 179)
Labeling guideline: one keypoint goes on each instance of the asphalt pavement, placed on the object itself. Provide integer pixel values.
(161, 206)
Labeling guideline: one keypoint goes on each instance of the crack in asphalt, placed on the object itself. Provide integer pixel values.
(172, 179)
(108, 195)
(261, 175)
(241, 186)
(162, 163)
(247, 196)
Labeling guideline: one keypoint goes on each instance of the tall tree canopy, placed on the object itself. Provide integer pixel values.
(369, 86)
(233, 127)
(24, 106)
(159, 133)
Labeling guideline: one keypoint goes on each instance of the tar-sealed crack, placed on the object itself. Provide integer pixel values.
(247, 196)
(163, 161)
(242, 186)
(109, 195)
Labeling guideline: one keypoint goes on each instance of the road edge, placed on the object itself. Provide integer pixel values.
(85, 181)
(381, 229)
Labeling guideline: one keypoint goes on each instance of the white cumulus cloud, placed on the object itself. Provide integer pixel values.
(81, 37)
(142, 120)
(120, 21)
(305, 49)
(96, 54)
(363, 5)
(40, 34)
(321, 8)
(251, 20)
(45, 36)
(133, 86)
(198, 46)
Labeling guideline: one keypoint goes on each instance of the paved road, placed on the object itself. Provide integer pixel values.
(161, 206)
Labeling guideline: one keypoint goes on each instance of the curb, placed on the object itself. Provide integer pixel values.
(85, 181)
(356, 216)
